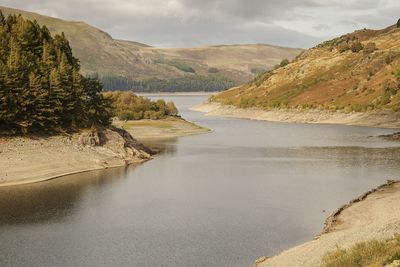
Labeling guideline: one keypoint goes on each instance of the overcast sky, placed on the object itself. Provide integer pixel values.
(187, 23)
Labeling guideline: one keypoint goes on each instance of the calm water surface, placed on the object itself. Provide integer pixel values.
(225, 198)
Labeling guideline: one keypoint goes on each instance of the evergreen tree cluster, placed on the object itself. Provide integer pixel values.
(41, 89)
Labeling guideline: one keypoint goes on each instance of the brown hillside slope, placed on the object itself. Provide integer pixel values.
(355, 72)
(100, 53)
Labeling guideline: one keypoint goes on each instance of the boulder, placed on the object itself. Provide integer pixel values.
(117, 141)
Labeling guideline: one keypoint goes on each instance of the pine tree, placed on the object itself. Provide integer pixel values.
(99, 108)
(2, 19)
(41, 89)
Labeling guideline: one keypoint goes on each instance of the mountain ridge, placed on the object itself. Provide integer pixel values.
(125, 64)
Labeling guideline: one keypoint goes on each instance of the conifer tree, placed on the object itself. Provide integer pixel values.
(41, 89)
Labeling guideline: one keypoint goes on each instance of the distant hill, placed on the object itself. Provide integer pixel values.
(359, 71)
(126, 64)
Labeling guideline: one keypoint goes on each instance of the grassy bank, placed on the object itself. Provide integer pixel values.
(370, 253)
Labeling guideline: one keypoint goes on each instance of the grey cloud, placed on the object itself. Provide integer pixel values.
(295, 23)
(321, 27)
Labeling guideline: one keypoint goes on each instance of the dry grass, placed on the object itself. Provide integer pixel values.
(326, 79)
(373, 253)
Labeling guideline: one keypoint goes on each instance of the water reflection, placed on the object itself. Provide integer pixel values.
(165, 146)
(54, 200)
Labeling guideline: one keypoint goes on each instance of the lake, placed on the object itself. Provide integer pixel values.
(224, 198)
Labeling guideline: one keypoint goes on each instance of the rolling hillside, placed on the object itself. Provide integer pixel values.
(359, 71)
(127, 64)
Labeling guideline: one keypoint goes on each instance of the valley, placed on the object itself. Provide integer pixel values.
(123, 65)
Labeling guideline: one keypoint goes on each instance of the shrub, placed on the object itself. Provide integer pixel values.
(284, 62)
(371, 253)
(370, 47)
(358, 108)
(397, 75)
(356, 47)
(343, 47)
(129, 106)
(245, 103)
(388, 59)
(125, 115)
(390, 88)
(213, 70)
(395, 257)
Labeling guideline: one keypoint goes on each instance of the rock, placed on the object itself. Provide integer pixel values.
(103, 163)
(90, 138)
(118, 141)
(260, 260)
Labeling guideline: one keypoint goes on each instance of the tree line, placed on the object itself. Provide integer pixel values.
(41, 88)
(190, 83)
(129, 106)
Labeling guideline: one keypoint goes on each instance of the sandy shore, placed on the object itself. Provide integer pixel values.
(27, 160)
(384, 119)
(161, 129)
(374, 215)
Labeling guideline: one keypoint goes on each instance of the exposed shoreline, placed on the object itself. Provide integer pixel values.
(373, 215)
(26, 160)
(38, 159)
(33, 181)
(379, 119)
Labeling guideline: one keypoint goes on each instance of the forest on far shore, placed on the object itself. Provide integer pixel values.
(212, 82)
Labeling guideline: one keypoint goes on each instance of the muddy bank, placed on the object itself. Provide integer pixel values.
(34, 159)
(373, 215)
(383, 119)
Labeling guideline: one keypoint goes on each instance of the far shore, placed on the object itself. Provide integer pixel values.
(202, 93)
(25, 160)
(168, 128)
(378, 119)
